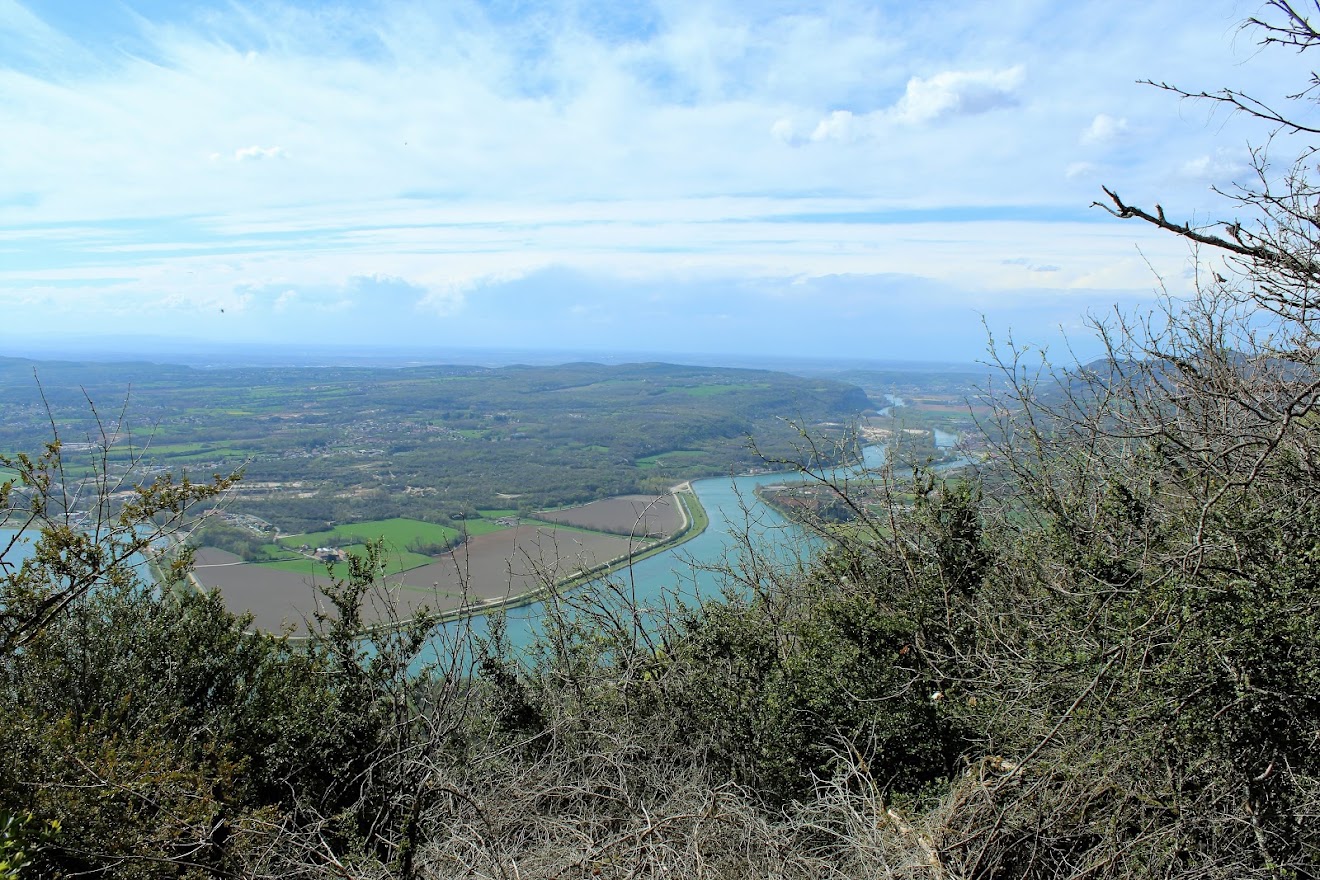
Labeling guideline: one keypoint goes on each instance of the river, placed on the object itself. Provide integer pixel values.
(687, 571)
(23, 549)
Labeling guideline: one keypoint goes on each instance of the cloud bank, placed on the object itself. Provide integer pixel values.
(349, 170)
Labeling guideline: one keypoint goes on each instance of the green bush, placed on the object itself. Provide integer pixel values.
(777, 698)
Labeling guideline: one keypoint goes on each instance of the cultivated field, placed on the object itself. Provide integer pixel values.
(511, 562)
(653, 516)
(273, 596)
(396, 560)
(397, 532)
(489, 567)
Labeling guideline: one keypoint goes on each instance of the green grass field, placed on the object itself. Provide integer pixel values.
(182, 453)
(190, 448)
(397, 532)
(280, 553)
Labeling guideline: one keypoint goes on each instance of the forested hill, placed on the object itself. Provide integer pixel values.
(425, 441)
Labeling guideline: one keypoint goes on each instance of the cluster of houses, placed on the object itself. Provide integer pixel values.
(331, 554)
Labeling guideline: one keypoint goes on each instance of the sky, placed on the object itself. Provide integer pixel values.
(886, 180)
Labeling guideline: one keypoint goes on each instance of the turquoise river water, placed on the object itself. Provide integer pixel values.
(686, 571)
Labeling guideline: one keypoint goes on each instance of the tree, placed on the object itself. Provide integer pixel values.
(88, 526)
(147, 732)
(1150, 696)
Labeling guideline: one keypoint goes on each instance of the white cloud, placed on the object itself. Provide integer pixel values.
(257, 153)
(24, 35)
(785, 131)
(387, 292)
(959, 92)
(838, 126)
(1031, 266)
(1104, 130)
(446, 300)
(285, 301)
(1079, 170)
(437, 144)
(1220, 167)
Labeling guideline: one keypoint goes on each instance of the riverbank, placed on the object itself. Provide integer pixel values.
(695, 520)
(506, 568)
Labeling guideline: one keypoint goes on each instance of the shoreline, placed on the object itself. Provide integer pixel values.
(693, 522)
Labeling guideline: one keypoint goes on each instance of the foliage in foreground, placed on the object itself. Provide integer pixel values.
(1098, 658)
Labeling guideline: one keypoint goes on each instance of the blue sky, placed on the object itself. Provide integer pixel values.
(854, 179)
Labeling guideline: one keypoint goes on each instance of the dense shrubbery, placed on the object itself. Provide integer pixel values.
(1098, 658)
(776, 707)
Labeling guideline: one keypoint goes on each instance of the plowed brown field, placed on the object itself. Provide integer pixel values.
(488, 567)
(653, 516)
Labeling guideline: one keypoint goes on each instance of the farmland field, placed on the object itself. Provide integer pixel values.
(481, 526)
(489, 567)
(323, 445)
(397, 532)
(274, 597)
(641, 515)
(511, 562)
(673, 459)
(396, 560)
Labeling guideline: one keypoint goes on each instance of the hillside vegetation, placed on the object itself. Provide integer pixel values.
(320, 446)
(1097, 657)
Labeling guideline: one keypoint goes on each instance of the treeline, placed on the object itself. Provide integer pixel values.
(215, 532)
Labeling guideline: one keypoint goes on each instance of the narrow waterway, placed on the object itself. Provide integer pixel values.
(689, 571)
(23, 549)
(739, 523)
